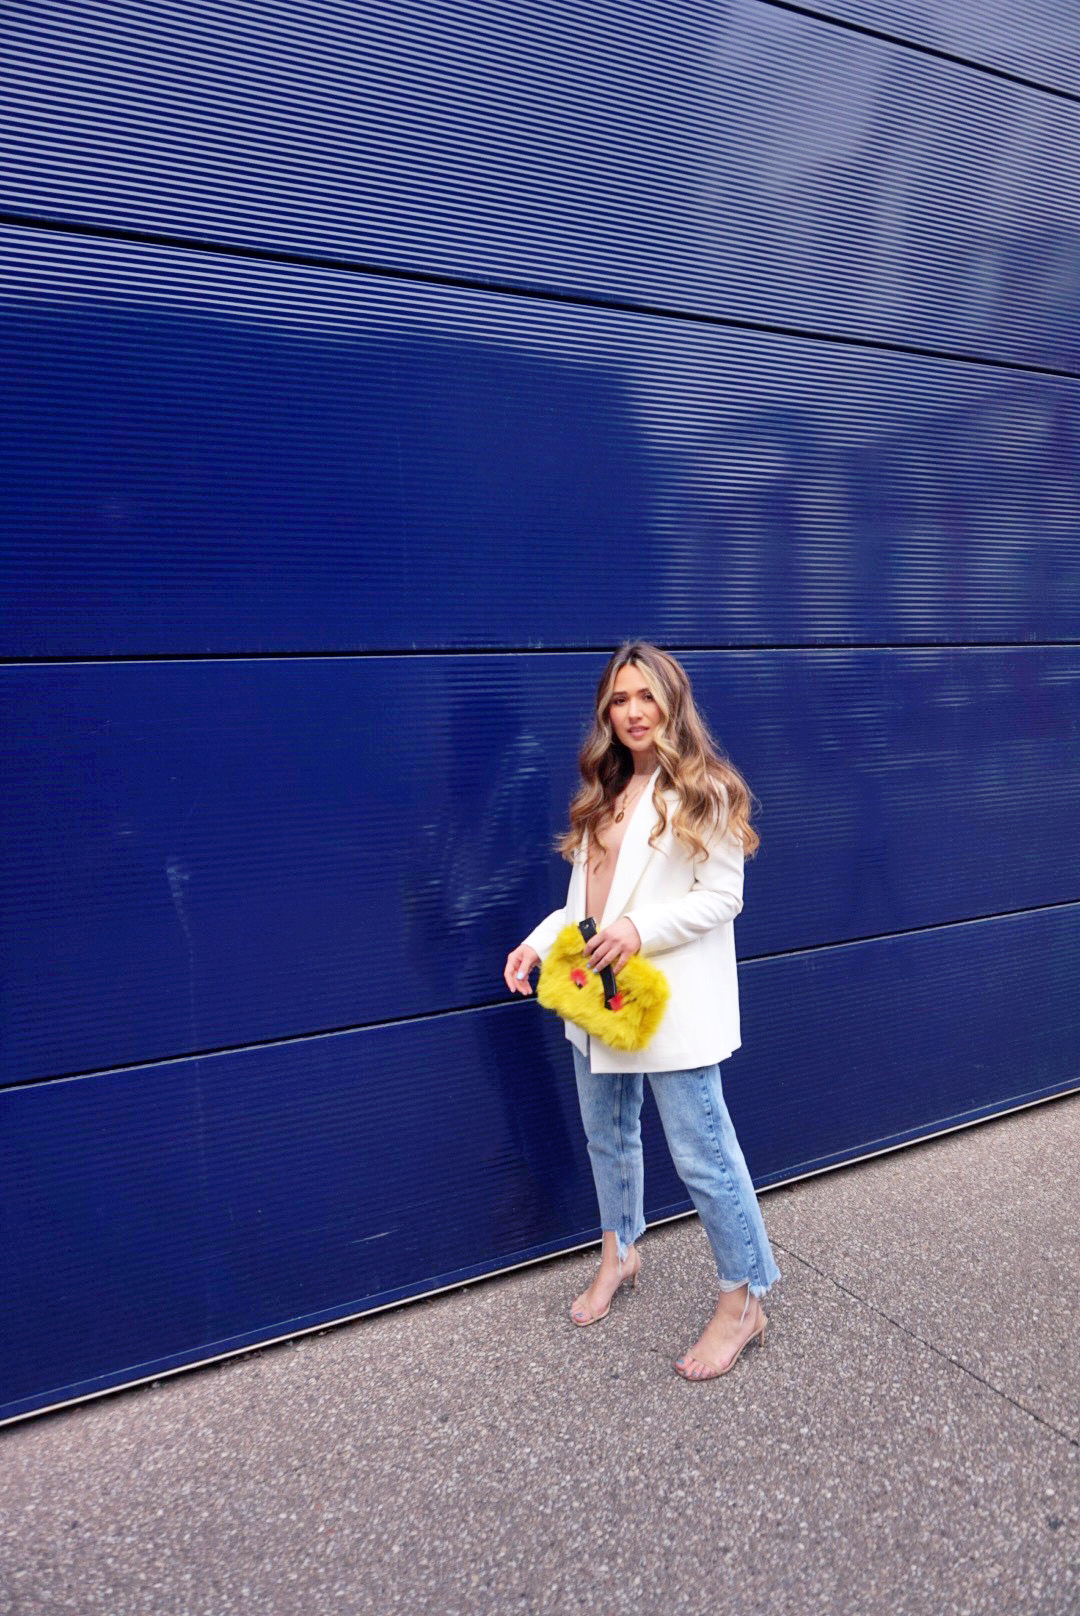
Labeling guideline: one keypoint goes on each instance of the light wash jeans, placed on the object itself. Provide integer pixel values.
(707, 1157)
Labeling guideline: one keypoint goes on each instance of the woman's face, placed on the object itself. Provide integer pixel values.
(633, 709)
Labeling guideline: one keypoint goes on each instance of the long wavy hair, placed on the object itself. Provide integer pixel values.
(711, 792)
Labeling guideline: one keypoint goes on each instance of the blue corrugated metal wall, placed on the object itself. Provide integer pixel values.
(369, 373)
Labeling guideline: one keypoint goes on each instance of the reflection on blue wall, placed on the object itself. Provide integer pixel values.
(452, 469)
(326, 495)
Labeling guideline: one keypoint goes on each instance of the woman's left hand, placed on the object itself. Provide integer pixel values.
(613, 946)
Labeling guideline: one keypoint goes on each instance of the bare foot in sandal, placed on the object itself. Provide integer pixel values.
(594, 1303)
(724, 1337)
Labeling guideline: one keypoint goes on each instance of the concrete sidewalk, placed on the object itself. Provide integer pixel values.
(908, 1441)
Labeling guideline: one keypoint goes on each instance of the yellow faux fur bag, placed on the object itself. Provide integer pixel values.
(624, 1014)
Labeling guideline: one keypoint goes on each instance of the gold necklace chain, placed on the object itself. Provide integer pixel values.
(626, 803)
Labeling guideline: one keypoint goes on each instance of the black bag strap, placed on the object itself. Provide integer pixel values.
(587, 928)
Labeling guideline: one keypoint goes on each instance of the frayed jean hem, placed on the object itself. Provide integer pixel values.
(621, 1245)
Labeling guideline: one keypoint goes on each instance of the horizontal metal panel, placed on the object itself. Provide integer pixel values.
(738, 160)
(203, 854)
(206, 456)
(1037, 40)
(156, 1216)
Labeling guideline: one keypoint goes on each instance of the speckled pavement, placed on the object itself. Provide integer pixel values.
(905, 1443)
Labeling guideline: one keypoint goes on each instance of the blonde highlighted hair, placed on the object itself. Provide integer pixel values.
(712, 794)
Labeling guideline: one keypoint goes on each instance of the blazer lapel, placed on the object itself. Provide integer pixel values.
(633, 854)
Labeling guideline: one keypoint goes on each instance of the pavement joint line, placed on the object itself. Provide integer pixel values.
(939, 1351)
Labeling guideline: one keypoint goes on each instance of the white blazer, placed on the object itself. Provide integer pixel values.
(684, 910)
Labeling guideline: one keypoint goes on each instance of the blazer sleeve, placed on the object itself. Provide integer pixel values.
(715, 897)
(543, 936)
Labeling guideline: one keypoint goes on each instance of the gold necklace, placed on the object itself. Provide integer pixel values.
(626, 803)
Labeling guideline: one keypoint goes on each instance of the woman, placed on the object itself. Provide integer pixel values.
(658, 834)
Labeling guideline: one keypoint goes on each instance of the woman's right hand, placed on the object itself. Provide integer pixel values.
(519, 962)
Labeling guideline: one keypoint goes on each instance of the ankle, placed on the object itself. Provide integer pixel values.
(737, 1305)
(609, 1253)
